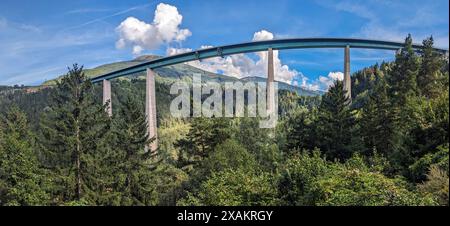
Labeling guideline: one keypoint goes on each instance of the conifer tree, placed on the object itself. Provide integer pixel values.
(74, 129)
(301, 134)
(378, 122)
(205, 134)
(430, 75)
(21, 179)
(134, 163)
(403, 79)
(335, 125)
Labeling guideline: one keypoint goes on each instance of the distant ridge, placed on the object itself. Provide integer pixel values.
(182, 72)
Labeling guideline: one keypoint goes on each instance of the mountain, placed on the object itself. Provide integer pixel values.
(285, 86)
(182, 72)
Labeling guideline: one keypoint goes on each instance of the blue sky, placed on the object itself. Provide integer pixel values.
(40, 39)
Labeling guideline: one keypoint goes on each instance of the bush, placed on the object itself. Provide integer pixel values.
(436, 185)
(354, 187)
(234, 188)
(229, 155)
(308, 179)
(297, 176)
(440, 159)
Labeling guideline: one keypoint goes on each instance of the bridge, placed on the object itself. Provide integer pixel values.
(221, 51)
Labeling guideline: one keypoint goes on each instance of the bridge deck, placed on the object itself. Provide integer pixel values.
(279, 44)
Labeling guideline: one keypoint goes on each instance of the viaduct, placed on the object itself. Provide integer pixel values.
(221, 51)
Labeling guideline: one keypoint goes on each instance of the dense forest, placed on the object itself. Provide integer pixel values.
(388, 146)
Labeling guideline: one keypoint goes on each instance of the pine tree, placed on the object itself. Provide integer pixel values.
(368, 126)
(335, 125)
(430, 76)
(205, 134)
(407, 80)
(134, 163)
(21, 179)
(74, 129)
(378, 122)
(258, 142)
(403, 79)
(301, 133)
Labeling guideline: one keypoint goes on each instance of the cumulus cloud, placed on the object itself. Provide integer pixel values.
(303, 81)
(170, 51)
(336, 75)
(327, 81)
(262, 35)
(164, 29)
(241, 65)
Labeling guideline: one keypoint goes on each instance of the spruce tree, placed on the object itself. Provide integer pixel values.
(335, 125)
(377, 124)
(301, 132)
(73, 132)
(403, 79)
(430, 75)
(134, 163)
(21, 180)
(205, 134)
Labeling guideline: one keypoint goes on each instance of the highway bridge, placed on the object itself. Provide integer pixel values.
(280, 44)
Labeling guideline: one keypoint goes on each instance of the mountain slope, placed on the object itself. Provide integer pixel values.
(181, 72)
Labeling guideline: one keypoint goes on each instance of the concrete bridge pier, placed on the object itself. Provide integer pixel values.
(150, 109)
(270, 80)
(347, 79)
(107, 96)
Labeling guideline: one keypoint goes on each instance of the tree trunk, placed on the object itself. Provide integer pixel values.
(78, 163)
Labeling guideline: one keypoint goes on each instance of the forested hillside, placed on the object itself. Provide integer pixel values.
(389, 146)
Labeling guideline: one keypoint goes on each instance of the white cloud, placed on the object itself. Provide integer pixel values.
(336, 75)
(137, 50)
(174, 51)
(302, 81)
(163, 30)
(262, 35)
(241, 65)
(327, 81)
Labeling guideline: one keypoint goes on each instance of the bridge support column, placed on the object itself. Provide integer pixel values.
(347, 79)
(107, 96)
(150, 109)
(270, 80)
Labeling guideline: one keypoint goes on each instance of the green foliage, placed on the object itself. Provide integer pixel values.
(167, 184)
(235, 188)
(310, 180)
(258, 142)
(21, 179)
(301, 135)
(335, 125)
(229, 155)
(297, 176)
(438, 159)
(389, 146)
(430, 75)
(357, 187)
(377, 123)
(131, 162)
(169, 132)
(204, 135)
(72, 138)
(403, 81)
(437, 185)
